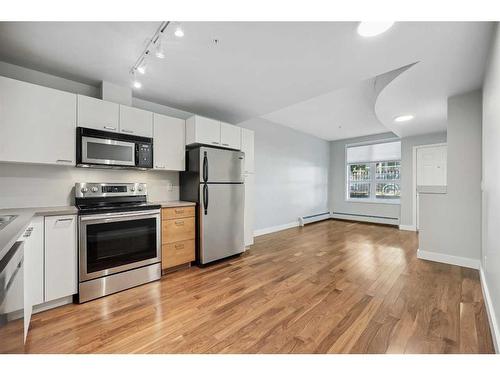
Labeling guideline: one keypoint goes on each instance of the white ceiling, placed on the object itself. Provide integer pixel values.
(309, 76)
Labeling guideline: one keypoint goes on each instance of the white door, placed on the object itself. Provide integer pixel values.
(230, 136)
(169, 143)
(98, 114)
(136, 121)
(37, 124)
(431, 169)
(60, 257)
(202, 130)
(249, 208)
(247, 146)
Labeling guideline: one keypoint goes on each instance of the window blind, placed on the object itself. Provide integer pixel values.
(374, 152)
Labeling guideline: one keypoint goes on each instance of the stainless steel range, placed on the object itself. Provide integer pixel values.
(119, 238)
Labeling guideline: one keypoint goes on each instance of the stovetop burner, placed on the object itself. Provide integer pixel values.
(99, 198)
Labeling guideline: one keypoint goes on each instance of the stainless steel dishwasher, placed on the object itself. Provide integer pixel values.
(12, 300)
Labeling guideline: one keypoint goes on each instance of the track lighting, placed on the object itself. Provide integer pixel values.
(137, 84)
(160, 51)
(179, 33)
(142, 68)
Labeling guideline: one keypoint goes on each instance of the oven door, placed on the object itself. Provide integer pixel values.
(107, 151)
(116, 242)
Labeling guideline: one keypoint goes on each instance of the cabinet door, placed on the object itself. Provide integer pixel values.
(249, 208)
(60, 257)
(35, 119)
(169, 143)
(136, 121)
(230, 136)
(202, 130)
(97, 114)
(34, 268)
(247, 146)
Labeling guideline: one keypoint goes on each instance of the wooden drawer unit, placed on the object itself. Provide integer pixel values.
(178, 236)
(177, 212)
(174, 254)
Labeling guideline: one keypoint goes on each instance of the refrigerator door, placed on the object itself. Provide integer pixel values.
(221, 221)
(218, 165)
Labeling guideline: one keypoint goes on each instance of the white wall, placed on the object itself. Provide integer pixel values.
(490, 259)
(338, 203)
(291, 174)
(407, 215)
(450, 224)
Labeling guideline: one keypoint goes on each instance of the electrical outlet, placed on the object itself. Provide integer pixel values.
(170, 186)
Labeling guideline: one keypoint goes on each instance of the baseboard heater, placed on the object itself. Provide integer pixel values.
(366, 218)
(303, 220)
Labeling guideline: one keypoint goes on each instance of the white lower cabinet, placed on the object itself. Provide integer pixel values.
(61, 262)
(249, 208)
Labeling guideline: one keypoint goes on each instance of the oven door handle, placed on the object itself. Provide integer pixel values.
(119, 216)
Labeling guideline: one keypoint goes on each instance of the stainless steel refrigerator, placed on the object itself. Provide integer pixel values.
(214, 180)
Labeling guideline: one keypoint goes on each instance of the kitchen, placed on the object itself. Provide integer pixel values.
(183, 187)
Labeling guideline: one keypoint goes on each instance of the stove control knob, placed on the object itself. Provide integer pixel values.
(132, 189)
(140, 187)
(84, 190)
(94, 189)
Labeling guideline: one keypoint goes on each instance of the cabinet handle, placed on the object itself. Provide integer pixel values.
(160, 166)
(179, 222)
(225, 144)
(64, 161)
(109, 128)
(127, 131)
(179, 246)
(177, 211)
(68, 219)
(216, 143)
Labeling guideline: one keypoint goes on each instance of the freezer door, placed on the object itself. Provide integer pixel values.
(220, 165)
(221, 221)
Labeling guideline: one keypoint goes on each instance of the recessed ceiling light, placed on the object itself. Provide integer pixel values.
(404, 118)
(179, 33)
(137, 84)
(369, 29)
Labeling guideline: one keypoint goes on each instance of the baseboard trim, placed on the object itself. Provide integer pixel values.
(365, 218)
(276, 228)
(448, 259)
(494, 328)
(52, 304)
(411, 228)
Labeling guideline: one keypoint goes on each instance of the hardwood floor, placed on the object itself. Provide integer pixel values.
(330, 287)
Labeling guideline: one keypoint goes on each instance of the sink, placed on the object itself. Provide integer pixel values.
(5, 220)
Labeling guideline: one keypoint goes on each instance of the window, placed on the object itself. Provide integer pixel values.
(374, 172)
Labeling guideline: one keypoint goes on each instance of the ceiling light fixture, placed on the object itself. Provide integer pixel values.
(404, 118)
(142, 68)
(137, 84)
(160, 51)
(179, 33)
(369, 29)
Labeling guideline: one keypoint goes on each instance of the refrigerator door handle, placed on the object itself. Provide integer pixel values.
(205, 198)
(205, 167)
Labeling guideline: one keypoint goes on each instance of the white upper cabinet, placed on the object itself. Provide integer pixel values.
(136, 121)
(169, 143)
(37, 124)
(61, 262)
(247, 146)
(230, 136)
(98, 114)
(202, 130)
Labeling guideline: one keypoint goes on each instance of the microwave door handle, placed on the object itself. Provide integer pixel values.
(205, 198)
(205, 167)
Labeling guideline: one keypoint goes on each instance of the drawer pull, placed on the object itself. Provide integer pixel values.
(62, 220)
(179, 222)
(179, 211)
(179, 246)
(109, 127)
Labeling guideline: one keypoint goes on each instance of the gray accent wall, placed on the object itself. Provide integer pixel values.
(490, 257)
(450, 224)
(291, 174)
(407, 214)
(337, 191)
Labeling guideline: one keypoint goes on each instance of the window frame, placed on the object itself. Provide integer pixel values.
(373, 181)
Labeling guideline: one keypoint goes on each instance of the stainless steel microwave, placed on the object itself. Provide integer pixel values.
(97, 148)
